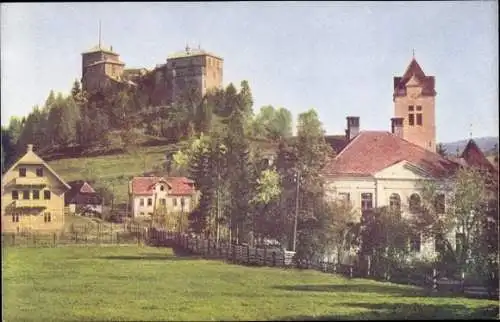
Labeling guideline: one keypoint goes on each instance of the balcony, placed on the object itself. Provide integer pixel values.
(30, 203)
(31, 181)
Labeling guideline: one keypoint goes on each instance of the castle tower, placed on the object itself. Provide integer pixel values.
(414, 101)
(194, 68)
(99, 66)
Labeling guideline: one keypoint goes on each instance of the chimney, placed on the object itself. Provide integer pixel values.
(30, 147)
(397, 126)
(352, 127)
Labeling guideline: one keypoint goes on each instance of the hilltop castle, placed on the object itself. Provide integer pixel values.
(191, 68)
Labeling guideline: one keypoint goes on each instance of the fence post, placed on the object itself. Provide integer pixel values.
(350, 271)
(274, 258)
(434, 280)
(248, 254)
(462, 281)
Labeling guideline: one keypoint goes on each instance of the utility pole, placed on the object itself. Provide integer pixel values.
(297, 178)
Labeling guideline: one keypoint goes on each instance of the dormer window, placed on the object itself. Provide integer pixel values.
(22, 172)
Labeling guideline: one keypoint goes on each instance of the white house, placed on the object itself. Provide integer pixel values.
(176, 194)
(378, 168)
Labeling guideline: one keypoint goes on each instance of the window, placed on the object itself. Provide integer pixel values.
(419, 108)
(439, 203)
(183, 202)
(366, 201)
(174, 201)
(22, 172)
(15, 195)
(419, 118)
(163, 202)
(39, 172)
(15, 218)
(345, 197)
(411, 108)
(415, 243)
(47, 217)
(46, 194)
(150, 201)
(142, 213)
(36, 194)
(162, 188)
(26, 194)
(411, 119)
(395, 202)
(150, 214)
(414, 203)
(141, 202)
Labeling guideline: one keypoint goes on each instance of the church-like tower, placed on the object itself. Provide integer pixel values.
(414, 101)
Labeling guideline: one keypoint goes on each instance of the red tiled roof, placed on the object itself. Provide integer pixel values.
(178, 185)
(414, 68)
(474, 157)
(373, 151)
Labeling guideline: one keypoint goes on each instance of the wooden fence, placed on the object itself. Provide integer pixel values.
(274, 257)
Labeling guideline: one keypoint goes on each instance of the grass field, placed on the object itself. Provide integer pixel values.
(152, 284)
(112, 170)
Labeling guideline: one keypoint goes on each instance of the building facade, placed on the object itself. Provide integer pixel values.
(32, 196)
(190, 70)
(151, 195)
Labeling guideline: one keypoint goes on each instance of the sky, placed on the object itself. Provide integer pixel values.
(336, 57)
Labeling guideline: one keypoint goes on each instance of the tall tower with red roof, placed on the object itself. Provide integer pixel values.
(414, 101)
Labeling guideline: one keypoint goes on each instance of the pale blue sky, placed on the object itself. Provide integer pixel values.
(337, 57)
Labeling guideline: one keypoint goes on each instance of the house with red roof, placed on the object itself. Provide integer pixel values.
(380, 168)
(147, 194)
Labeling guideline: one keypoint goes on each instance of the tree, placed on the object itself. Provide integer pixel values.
(273, 123)
(459, 228)
(312, 155)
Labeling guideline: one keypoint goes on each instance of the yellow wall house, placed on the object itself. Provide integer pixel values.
(32, 196)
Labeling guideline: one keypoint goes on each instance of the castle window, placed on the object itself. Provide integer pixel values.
(163, 201)
(15, 195)
(419, 118)
(411, 119)
(162, 188)
(15, 218)
(39, 172)
(22, 172)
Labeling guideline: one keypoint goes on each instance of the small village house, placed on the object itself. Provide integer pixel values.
(32, 196)
(148, 194)
(82, 199)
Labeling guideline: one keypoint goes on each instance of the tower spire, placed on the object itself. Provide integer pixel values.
(99, 33)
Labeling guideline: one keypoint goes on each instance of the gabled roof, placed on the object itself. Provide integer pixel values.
(82, 193)
(98, 48)
(473, 156)
(32, 158)
(414, 69)
(373, 151)
(178, 185)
